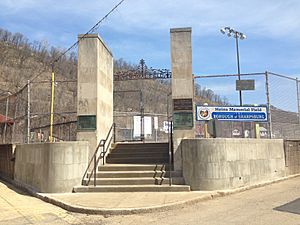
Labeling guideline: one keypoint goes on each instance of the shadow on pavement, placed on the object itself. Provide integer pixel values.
(8, 183)
(291, 207)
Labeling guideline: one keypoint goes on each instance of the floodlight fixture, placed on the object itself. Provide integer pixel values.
(243, 36)
(229, 31)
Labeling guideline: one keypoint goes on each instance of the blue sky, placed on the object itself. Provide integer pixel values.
(140, 29)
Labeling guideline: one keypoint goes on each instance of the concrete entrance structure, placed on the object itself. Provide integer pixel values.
(182, 89)
(95, 90)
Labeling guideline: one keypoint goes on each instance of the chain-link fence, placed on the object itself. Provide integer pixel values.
(13, 114)
(278, 93)
(141, 108)
(64, 113)
(284, 103)
(25, 115)
(140, 111)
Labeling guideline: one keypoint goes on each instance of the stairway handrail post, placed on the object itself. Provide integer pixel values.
(114, 124)
(95, 170)
(97, 159)
(103, 152)
(170, 153)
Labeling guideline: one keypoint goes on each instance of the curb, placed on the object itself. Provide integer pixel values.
(241, 189)
(129, 211)
(123, 211)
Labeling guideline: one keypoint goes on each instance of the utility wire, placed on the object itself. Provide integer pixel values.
(95, 27)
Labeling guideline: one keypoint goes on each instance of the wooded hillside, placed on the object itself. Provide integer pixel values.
(22, 60)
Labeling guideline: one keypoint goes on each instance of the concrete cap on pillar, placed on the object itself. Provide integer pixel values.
(80, 36)
(183, 29)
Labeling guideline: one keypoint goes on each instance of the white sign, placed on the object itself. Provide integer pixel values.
(136, 126)
(258, 114)
(236, 132)
(155, 122)
(148, 125)
(263, 132)
(167, 126)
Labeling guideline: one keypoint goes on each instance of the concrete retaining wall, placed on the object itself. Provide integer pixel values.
(51, 167)
(7, 161)
(292, 156)
(216, 164)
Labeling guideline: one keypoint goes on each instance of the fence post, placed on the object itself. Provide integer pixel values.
(14, 124)
(142, 116)
(298, 105)
(52, 104)
(28, 111)
(5, 125)
(268, 105)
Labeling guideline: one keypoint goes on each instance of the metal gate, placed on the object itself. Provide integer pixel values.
(141, 104)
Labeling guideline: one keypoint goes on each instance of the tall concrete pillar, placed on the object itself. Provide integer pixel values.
(182, 90)
(95, 90)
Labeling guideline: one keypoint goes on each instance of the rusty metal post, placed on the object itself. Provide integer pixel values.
(5, 124)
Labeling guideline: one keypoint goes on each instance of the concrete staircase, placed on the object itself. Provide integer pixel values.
(135, 167)
(139, 153)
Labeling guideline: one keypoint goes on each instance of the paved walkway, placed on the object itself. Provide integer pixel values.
(16, 207)
(127, 202)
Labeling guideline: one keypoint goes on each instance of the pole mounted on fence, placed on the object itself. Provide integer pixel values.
(52, 103)
(298, 100)
(237, 35)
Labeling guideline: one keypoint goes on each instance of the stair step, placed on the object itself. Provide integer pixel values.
(137, 155)
(134, 181)
(128, 174)
(139, 150)
(128, 181)
(138, 160)
(140, 145)
(133, 188)
(133, 167)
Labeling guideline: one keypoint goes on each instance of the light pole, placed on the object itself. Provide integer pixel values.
(237, 35)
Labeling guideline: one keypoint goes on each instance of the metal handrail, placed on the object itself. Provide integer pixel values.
(170, 152)
(170, 139)
(96, 160)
